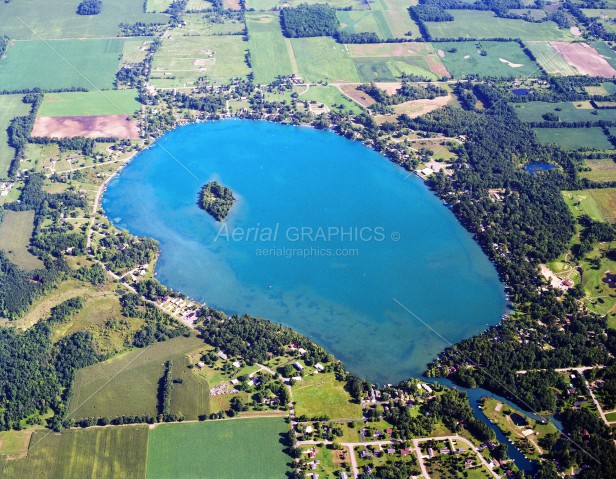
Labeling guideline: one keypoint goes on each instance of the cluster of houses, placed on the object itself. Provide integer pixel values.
(5, 188)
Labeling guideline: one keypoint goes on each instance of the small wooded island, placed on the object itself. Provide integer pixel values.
(216, 199)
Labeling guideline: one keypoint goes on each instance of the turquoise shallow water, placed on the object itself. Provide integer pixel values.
(369, 234)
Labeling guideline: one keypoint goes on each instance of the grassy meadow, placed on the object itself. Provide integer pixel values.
(602, 170)
(321, 394)
(331, 97)
(575, 138)
(397, 17)
(501, 59)
(485, 24)
(182, 60)
(118, 452)
(322, 59)
(246, 448)
(61, 64)
(10, 107)
(15, 233)
(91, 103)
(365, 21)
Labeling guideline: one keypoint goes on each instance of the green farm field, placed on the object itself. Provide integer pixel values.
(246, 448)
(396, 14)
(271, 53)
(15, 233)
(90, 64)
(128, 383)
(118, 452)
(575, 138)
(153, 6)
(322, 59)
(503, 59)
(91, 103)
(550, 60)
(56, 19)
(321, 394)
(483, 24)
(181, 61)
(566, 111)
(606, 52)
(198, 24)
(10, 107)
(387, 61)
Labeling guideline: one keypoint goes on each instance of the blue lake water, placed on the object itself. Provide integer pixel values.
(371, 237)
(533, 168)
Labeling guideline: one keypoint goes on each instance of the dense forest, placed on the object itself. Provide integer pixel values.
(90, 7)
(216, 199)
(309, 21)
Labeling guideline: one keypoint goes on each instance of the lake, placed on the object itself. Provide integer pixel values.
(326, 236)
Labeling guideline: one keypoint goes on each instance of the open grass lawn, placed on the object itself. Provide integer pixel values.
(321, 394)
(181, 61)
(575, 138)
(271, 53)
(61, 64)
(56, 19)
(396, 14)
(10, 107)
(566, 111)
(388, 61)
(331, 97)
(321, 58)
(601, 170)
(502, 59)
(127, 383)
(15, 233)
(611, 416)
(91, 103)
(483, 24)
(109, 452)
(550, 60)
(246, 448)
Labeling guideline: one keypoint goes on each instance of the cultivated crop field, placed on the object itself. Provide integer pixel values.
(92, 103)
(550, 60)
(55, 19)
(321, 394)
(566, 111)
(118, 452)
(501, 59)
(128, 383)
(385, 62)
(61, 64)
(321, 58)
(575, 138)
(246, 448)
(10, 107)
(396, 14)
(180, 61)
(483, 24)
(271, 53)
(15, 232)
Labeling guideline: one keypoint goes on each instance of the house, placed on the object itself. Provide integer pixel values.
(427, 388)
(319, 367)
(302, 351)
(298, 366)
(405, 452)
(343, 475)
(236, 364)
(221, 355)
(200, 364)
(391, 450)
(308, 430)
